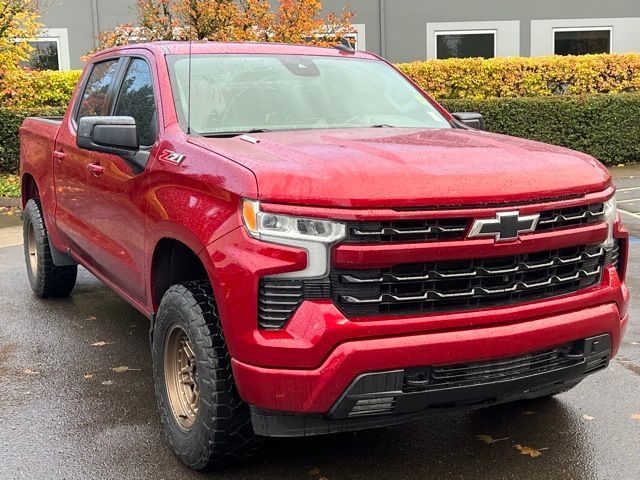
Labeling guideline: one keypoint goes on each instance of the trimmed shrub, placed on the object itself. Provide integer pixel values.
(9, 186)
(35, 89)
(10, 121)
(604, 126)
(525, 77)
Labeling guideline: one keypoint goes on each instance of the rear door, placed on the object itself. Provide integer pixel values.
(73, 201)
(117, 206)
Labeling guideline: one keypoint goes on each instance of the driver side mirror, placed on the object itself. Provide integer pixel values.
(113, 135)
(473, 120)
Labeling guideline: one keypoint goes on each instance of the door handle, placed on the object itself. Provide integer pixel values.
(58, 155)
(95, 168)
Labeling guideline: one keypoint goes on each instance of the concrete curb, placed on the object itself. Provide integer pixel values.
(9, 202)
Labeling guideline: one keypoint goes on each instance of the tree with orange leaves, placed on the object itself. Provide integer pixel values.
(293, 21)
(18, 20)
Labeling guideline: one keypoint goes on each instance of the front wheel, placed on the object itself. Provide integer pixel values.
(204, 418)
(46, 279)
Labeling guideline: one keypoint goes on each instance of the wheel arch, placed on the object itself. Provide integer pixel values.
(29, 188)
(173, 261)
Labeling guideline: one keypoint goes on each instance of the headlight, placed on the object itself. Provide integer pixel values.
(610, 214)
(314, 235)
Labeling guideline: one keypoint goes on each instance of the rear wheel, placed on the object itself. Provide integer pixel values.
(204, 418)
(46, 279)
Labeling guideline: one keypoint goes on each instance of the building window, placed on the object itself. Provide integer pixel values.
(45, 54)
(581, 41)
(466, 44)
(357, 38)
(50, 51)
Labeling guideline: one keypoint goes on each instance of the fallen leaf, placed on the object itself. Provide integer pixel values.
(30, 371)
(635, 416)
(91, 318)
(101, 344)
(620, 165)
(588, 417)
(314, 472)
(489, 440)
(124, 368)
(532, 452)
(88, 376)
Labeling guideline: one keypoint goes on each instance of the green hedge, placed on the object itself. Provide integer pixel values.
(605, 126)
(516, 77)
(37, 89)
(10, 121)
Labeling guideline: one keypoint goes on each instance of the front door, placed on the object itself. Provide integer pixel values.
(70, 163)
(117, 208)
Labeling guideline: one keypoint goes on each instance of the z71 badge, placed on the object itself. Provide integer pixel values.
(172, 157)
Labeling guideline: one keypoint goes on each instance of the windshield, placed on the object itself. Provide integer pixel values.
(243, 93)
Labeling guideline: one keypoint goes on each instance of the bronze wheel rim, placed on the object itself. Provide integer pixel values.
(181, 377)
(32, 250)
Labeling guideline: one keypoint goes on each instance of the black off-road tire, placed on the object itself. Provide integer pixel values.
(221, 431)
(47, 280)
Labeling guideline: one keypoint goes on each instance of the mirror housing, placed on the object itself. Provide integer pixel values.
(113, 135)
(469, 119)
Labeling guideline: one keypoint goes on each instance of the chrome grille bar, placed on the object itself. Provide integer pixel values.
(571, 218)
(432, 294)
(521, 267)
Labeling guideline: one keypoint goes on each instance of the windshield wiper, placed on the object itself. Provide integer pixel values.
(382, 125)
(235, 133)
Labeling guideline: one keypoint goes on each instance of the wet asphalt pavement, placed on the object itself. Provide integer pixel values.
(64, 413)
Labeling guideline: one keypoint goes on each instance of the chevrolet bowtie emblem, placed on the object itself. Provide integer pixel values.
(506, 226)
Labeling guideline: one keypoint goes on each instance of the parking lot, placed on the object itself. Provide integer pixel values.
(70, 409)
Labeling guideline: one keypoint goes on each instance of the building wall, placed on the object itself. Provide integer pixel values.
(83, 19)
(409, 26)
(406, 21)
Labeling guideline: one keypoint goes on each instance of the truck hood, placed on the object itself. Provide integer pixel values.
(392, 167)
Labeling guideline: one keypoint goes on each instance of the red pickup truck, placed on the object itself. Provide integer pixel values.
(318, 245)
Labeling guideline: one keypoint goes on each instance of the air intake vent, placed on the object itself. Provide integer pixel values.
(277, 301)
(373, 406)
(468, 374)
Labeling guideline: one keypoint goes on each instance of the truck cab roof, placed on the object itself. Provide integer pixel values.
(237, 48)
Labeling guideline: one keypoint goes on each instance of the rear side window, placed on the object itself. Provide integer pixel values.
(136, 100)
(94, 98)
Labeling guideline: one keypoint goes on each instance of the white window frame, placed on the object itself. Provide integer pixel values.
(358, 35)
(493, 32)
(506, 35)
(581, 29)
(61, 37)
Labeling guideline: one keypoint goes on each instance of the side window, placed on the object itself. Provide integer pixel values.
(94, 98)
(136, 100)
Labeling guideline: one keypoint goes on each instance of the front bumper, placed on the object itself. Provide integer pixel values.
(317, 390)
(386, 398)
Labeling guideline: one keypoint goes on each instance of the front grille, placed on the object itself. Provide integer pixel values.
(464, 284)
(406, 230)
(447, 229)
(613, 255)
(570, 217)
(476, 373)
